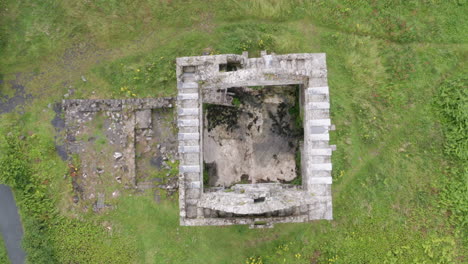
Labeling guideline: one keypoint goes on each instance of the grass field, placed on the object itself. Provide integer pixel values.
(399, 195)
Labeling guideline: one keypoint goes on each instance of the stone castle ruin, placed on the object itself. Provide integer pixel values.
(253, 139)
(250, 143)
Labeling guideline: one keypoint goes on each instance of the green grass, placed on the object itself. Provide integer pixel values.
(398, 194)
(186, 245)
(3, 252)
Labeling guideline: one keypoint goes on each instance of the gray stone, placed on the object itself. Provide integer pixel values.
(317, 90)
(118, 155)
(189, 149)
(191, 211)
(188, 123)
(188, 111)
(320, 180)
(187, 96)
(99, 202)
(327, 151)
(143, 119)
(319, 122)
(318, 130)
(189, 136)
(320, 166)
(189, 168)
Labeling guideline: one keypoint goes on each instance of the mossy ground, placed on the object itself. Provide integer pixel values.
(386, 61)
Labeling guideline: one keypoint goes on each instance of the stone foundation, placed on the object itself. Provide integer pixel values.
(112, 143)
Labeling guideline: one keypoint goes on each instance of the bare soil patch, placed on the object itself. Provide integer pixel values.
(254, 141)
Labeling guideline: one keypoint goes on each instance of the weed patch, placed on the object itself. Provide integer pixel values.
(452, 101)
(3, 253)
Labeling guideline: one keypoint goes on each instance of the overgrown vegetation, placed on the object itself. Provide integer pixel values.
(206, 176)
(452, 102)
(398, 96)
(236, 102)
(3, 253)
(297, 159)
(50, 237)
(296, 114)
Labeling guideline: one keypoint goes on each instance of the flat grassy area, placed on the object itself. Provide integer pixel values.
(3, 252)
(386, 63)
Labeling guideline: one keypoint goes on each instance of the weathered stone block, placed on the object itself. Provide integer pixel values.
(189, 136)
(192, 193)
(192, 176)
(322, 166)
(317, 90)
(214, 214)
(319, 189)
(188, 111)
(319, 122)
(318, 105)
(187, 96)
(190, 158)
(143, 119)
(327, 152)
(193, 184)
(189, 149)
(188, 122)
(320, 180)
(318, 82)
(191, 211)
(206, 212)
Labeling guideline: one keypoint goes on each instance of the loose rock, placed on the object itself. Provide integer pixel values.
(118, 155)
